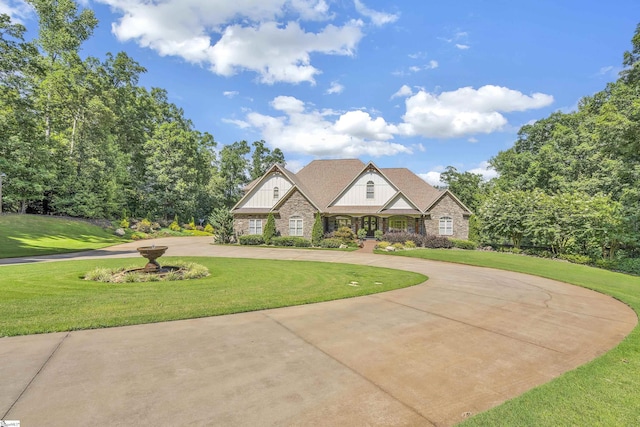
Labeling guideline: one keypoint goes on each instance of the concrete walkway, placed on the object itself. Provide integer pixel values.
(466, 340)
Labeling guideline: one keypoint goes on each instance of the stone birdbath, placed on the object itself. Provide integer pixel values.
(152, 253)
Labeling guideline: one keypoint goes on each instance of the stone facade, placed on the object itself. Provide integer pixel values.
(241, 222)
(447, 207)
(296, 206)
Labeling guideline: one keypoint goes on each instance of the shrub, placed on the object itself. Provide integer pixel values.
(222, 221)
(208, 229)
(629, 265)
(251, 239)
(187, 227)
(435, 242)
(382, 245)
(139, 235)
(401, 237)
(269, 229)
(464, 244)
(192, 223)
(398, 246)
(144, 226)
(330, 243)
(607, 264)
(317, 232)
(299, 242)
(345, 234)
(124, 223)
(409, 244)
(175, 226)
(576, 259)
(378, 234)
(362, 233)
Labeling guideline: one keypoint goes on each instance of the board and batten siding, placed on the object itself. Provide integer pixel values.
(356, 195)
(399, 203)
(263, 196)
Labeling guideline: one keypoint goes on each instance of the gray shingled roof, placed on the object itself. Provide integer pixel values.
(412, 186)
(324, 179)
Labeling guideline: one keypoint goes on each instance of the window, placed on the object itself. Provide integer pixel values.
(343, 222)
(255, 226)
(446, 226)
(295, 227)
(276, 192)
(398, 224)
(370, 186)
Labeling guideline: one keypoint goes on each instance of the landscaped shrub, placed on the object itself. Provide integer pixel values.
(409, 244)
(331, 243)
(345, 234)
(362, 233)
(629, 265)
(382, 245)
(188, 227)
(464, 244)
(299, 242)
(139, 236)
(398, 246)
(199, 228)
(378, 234)
(175, 226)
(401, 237)
(269, 229)
(317, 231)
(208, 229)
(576, 259)
(435, 242)
(144, 226)
(251, 239)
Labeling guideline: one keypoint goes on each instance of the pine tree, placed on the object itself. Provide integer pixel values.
(269, 229)
(317, 232)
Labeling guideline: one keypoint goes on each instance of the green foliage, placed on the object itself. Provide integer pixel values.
(296, 241)
(467, 187)
(222, 221)
(464, 244)
(175, 225)
(192, 223)
(144, 226)
(382, 244)
(410, 244)
(317, 233)
(208, 229)
(251, 239)
(576, 259)
(269, 229)
(331, 243)
(345, 234)
(475, 229)
(398, 246)
(378, 234)
(362, 233)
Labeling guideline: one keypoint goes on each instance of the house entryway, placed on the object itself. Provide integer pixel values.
(370, 223)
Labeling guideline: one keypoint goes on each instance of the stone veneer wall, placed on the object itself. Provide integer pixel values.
(241, 222)
(296, 206)
(448, 207)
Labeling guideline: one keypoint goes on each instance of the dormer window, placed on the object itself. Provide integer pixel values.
(370, 193)
(276, 192)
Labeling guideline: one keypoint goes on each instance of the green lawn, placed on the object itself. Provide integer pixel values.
(604, 392)
(50, 297)
(28, 235)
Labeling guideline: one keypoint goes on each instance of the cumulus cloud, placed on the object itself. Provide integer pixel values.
(335, 88)
(262, 36)
(485, 170)
(377, 18)
(310, 131)
(404, 91)
(465, 111)
(16, 9)
(230, 93)
(432, 177)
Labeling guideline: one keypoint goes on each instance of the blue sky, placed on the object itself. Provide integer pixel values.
(419, 84)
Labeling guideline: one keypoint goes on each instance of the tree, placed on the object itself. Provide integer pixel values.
(503, 216)
(262, 159)
(269, 229)
(232, 168)
(317, 233)
(466, 186)
(222, 221)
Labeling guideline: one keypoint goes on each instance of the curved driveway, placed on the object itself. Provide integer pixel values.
(466, 340)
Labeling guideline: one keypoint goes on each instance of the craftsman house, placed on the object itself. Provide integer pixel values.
(349, 193)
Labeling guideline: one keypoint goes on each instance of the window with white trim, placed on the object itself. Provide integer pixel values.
(446, 226)
(295, 227)
(343, 222)
(397, 224)
(276, 192)
(255, 226)
(370, 189)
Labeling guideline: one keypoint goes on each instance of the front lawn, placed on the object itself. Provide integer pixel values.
(50, 297)
(603, 392)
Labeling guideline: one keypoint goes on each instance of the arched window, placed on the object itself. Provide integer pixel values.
(446, 226)
(370, 193)
(276, 192)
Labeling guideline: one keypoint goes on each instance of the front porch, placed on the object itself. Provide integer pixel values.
(372, 223)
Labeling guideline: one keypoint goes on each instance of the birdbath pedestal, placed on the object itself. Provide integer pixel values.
(152, 253)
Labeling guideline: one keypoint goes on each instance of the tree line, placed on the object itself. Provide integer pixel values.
(571, 181)
(80, 137)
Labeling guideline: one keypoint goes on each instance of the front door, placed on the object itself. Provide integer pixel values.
(370, 223)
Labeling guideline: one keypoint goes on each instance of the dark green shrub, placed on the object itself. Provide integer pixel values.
(299, 242)
(576, 259)
(331, 243)
(464, 244)
(629, 265)
(251, 239)
(434, 242)
(269, 229)
(222, 221)
(318, 230)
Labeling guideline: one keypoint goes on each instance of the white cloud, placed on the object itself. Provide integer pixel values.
(485, 170)
(16, 9)
(404, 91)
(239, 123)
(432, 65)
(431, 177)
(462, 46)
(315, 132)
(472, 140)
(230, 93)
(465, 111)
(263, 36)
(377, 18)
(335, 88)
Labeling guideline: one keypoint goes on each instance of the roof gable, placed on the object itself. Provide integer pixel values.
(355, 193)
(399, 202)
(417, 190)
(324, 179)
(261, 193)
(455, 199)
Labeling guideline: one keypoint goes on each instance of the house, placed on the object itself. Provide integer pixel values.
(349, 193)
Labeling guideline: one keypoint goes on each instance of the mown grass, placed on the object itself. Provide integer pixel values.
(604, 392)
(29, 235)
(49, 297)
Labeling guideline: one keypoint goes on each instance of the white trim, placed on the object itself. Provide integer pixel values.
(445, 226)
(255, 225)
(296, 226)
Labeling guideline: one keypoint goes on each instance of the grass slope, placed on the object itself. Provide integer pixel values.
(603, 392)
(28, 235)
(50, 297)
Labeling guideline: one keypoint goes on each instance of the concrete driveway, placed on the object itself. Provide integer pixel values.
(466, 340)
